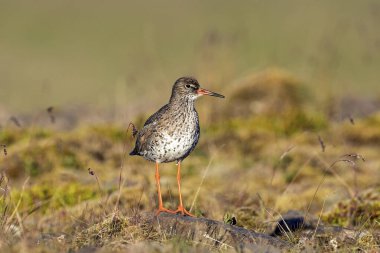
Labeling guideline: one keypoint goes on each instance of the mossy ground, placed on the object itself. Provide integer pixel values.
(60, 189)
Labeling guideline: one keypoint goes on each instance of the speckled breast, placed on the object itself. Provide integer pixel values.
(175, 144)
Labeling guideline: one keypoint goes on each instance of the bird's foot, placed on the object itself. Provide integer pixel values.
(183, 211)
(164, 210)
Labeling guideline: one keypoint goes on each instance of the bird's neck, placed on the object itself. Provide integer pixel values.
(182, 104)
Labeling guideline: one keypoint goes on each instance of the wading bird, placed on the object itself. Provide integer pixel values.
(172, 133)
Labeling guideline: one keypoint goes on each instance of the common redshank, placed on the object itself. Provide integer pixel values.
(172, 133)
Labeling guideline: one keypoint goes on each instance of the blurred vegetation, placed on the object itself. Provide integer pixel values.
(277, 152)
(112, 54)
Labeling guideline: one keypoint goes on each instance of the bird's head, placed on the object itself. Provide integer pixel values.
(189, 88)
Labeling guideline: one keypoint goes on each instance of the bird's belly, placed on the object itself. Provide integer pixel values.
(172, 148)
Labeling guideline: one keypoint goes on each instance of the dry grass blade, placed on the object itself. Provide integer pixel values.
(200, 185)
(319, 219)
(287, 152)
(283, 155)
(15, 210)
(296, 175)
(4, 200)
(289, 236)
(330, 169)
(339, 178)
(314, 195)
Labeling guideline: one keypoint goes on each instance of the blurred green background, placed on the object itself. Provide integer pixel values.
(107, 54)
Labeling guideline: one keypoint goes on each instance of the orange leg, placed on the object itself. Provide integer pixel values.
(180, 207)
(160, 205)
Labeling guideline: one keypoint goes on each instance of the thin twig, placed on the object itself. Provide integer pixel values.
(323, 146)
(123, 158)
(92, 173)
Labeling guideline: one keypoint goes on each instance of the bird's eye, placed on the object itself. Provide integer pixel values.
(187, 85)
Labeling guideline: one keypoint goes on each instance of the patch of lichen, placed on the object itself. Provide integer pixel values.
(361, 211)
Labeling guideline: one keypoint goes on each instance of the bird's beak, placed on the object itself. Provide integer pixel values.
(201, 91)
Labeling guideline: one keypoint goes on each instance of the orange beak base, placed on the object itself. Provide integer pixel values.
(201, 91)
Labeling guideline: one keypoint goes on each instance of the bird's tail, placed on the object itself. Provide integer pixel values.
(134, 152)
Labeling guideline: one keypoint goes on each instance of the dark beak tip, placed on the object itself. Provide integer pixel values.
(218, 95)
(209, 93)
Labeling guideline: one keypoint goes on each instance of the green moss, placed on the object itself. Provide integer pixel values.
(70, 160)
(31, 166)
(52, 198)
(290, 175)
(300, 121)
(9, 136)
(36, 162)
(41, 133)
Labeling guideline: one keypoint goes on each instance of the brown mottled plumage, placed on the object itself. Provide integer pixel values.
(172, 132)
